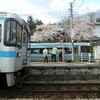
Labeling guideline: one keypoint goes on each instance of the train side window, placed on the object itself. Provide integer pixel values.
(35, 51)
(68, 50)
(85, 49)
(0, 32)
(49, 51)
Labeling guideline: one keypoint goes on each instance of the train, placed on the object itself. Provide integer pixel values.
(14, 56)
(36, 50)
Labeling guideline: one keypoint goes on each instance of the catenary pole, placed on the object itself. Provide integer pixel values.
(71, 11)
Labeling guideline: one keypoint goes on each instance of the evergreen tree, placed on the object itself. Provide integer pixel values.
(39, 22)
(32, 25)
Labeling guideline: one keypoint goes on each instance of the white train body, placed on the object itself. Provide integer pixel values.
(13, 46)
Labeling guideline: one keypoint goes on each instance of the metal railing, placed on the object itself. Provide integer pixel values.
(86, 57)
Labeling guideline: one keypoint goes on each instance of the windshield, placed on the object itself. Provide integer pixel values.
(12, 33)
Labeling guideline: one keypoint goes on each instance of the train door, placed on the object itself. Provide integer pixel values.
(24, 48)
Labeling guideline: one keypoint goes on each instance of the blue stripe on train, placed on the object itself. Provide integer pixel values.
(49, 55)
(2, 18)
(7, 54)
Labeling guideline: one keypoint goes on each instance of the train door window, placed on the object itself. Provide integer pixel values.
(0, 32)
(7, 35)
(24, 38)
(19, 31)
(13, 32)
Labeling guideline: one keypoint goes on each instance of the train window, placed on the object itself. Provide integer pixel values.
(19, 34)
(7, 36)
(13, 33)
(68, 50)
(85, 49)
(0, 31)
(49, 51)
(10, 36)
(36, 51)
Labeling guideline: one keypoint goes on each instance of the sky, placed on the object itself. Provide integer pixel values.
(49, 11)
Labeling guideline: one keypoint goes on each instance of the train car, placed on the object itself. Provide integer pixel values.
(37, 50)
(14, 34)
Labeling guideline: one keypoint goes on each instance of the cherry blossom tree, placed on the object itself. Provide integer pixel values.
(82, 29)
(46, 33)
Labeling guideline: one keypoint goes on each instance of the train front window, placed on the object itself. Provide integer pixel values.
(0, 31)
(12, 34)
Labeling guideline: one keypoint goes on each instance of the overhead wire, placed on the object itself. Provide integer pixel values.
(56, 13)
(80, 5)
(73, 1)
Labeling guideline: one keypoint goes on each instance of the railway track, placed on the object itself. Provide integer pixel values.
(52, 90)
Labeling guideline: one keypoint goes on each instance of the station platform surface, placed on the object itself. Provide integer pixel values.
(66, 64)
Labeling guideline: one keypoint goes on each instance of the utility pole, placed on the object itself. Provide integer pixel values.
(72, 34)
(71, 12)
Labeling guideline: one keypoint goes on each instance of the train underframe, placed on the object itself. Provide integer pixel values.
(13, 78)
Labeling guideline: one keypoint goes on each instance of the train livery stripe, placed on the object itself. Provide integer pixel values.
(2, 18)
(50, 45)
(49, 55)
(7, 54)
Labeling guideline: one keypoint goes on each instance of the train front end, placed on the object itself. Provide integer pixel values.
(13, 49)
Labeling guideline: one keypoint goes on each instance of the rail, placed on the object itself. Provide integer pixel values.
(54, 90)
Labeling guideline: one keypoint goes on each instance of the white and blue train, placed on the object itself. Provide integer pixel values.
(14, 35)
(78, 48)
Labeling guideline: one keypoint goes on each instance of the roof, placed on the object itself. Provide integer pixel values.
(97, 23)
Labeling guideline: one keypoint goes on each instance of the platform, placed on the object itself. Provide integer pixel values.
(63, 72)
(65, 64)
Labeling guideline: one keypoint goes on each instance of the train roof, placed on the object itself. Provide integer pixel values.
(49, 45)
(5, 15)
